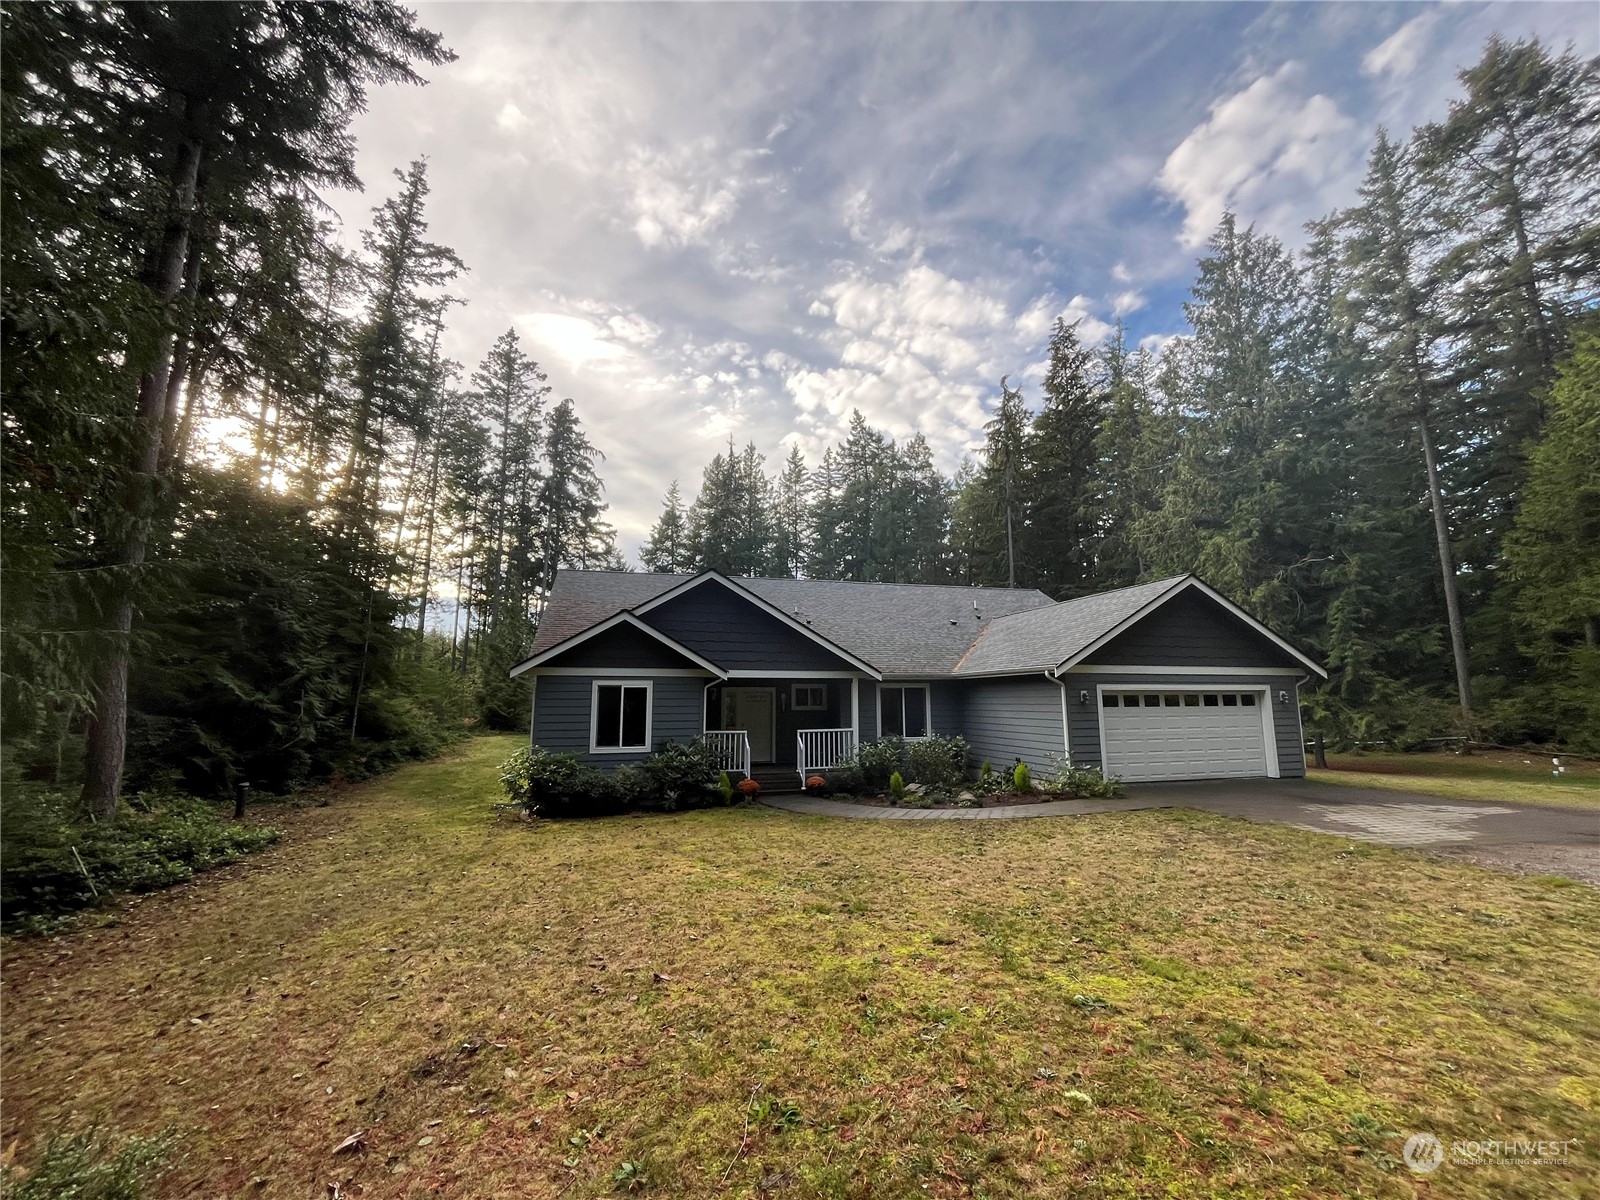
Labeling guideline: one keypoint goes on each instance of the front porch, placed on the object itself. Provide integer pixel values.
(783, 726)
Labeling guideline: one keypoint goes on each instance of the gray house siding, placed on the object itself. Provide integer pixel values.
(1083, 720)
(738, 636)
(945, 699)
(1007, 719)
(869, 709)
(623, 646)
(1191, 630)
(561, 714)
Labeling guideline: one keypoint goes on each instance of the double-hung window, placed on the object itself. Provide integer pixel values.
(621, 718)
(903, 711)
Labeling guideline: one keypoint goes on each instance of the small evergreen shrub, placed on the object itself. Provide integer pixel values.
(897, 786)
(988, 779)
(725, 787)
(1021, 778)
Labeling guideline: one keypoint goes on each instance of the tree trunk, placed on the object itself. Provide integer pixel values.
(1447, 569)
(106, 742)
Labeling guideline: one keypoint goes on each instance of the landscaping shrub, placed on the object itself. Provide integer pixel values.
(156, 840)
(937, 762)
(1021, 779)
(725, 787)
(846, 778)
(680, 775)
(897, 785)
(877, 760)
(989, 781)
(88, 1166)
(544, 783)
(1069, 780)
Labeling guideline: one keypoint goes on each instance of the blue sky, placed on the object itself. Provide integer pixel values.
(749, 219)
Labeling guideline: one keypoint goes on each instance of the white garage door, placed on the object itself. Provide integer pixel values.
(1183, 735)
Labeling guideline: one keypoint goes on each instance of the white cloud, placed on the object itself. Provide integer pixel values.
(1266, 152)
(680, 197)
(1130, 301)
(576, 341)
(1398, 54)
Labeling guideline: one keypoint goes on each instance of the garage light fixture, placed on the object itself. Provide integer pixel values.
(1083, 698)
(1283, 696)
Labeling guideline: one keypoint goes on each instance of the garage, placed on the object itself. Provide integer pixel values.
(1161, 734)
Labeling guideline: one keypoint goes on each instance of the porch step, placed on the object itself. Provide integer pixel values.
(777, 779)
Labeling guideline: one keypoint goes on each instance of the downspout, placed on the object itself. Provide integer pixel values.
(1066, 721)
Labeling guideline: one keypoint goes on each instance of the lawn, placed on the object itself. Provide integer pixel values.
(746, 1002)
(1495, 775)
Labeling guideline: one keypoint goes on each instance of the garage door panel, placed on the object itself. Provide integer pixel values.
(1183, 741)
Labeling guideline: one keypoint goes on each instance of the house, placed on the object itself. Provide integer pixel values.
(1164, 680)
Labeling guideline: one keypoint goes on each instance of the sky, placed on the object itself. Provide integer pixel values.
(748, 220)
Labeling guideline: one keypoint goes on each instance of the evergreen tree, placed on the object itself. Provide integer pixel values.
(1064, 526)
(668, 550)
(791, 517)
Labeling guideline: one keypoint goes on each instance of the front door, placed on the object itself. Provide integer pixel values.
(752, 710)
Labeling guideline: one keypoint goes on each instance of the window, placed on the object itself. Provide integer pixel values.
(1108, 700)
(1211, 699)
(1171, 701)
(1191, 699)
(1152, 701)
(904, 711)
(621, 718)
(810, 697)
(1229, 700)
(1248, 699)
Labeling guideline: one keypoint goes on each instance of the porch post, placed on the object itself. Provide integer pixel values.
(855, 708)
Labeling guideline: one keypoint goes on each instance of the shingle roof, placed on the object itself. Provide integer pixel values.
(1045, 637)
(900, 628)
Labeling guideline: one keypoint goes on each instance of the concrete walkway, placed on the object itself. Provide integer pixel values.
(1363, 814)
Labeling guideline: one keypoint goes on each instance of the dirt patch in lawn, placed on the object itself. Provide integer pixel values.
(747, 1002)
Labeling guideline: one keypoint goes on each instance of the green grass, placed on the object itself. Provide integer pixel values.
(1492, 775)
(746, 1002)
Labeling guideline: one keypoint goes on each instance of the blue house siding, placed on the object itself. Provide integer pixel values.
(869, 709)
(624, 646)
(1191, 630)
(1083, 720)
(561, 714)
(1007, 719)
(736, 635)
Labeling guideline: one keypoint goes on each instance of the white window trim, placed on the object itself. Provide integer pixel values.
(927, 705)
(594, 715)
(794, 697)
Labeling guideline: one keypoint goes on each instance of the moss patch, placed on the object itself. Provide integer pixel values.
(747, 1002)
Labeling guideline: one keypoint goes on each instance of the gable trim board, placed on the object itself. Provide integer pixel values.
(765, 606)
(610, 623)
(1187, 582)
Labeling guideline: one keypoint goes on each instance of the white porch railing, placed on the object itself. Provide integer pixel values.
(819, 749)
(732, 748)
